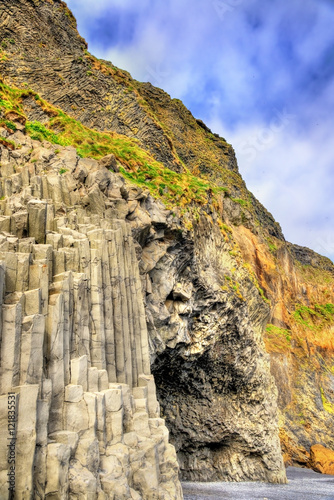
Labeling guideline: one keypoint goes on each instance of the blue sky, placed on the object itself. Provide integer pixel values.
(259, 73)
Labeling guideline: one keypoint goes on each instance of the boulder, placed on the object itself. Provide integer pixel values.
(321, 459)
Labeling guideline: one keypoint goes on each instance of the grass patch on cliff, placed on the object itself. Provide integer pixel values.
(271, 245)
(328, 406)
(138, 166)
(241, 202)
(7, 143)
(314, 274)
(316, 324)
(314, 318)
(277, 339)
(39, 132)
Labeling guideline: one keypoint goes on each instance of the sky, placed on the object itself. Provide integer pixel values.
(260, 73)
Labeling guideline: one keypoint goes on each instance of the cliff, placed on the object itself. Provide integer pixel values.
(74, 345)
(154, 253)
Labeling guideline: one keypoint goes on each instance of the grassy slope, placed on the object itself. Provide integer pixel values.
(138, 165)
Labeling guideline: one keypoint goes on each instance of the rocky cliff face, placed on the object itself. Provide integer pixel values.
(167, 209)
(74, 344)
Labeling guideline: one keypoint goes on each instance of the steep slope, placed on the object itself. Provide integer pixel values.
(103, 97)
(185, 278)
(215, 270)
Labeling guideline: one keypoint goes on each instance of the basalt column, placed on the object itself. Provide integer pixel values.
(84, 420)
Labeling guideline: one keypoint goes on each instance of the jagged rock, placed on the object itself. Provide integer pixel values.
(109, 162)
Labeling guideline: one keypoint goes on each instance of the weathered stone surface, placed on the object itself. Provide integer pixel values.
(71, 309)
(79, 372)
(103, 380)
(32, 344)
(10, 346)
(26, 438)
(68, 438)
(57, 471)
(37, 220)
(321, 459)
(113, 398)
(73, 393)
(93, 379)
(33, 302)
(86, 282)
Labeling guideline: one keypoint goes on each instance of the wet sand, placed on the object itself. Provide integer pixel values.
(303, 484)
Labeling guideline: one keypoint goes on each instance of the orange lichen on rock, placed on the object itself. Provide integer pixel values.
(293, 453)
(321, 459)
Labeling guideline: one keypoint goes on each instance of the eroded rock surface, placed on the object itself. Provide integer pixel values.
(73, 278)
(322, 459)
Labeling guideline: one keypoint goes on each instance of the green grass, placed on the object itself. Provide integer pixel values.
(39, 132)
(7, 142)
(225, 228)
(275, 330)
(162, 182)
(314, 318)
(271, 245)
(328, 406)
(241, 202)
(138, 166)
(8, 124)
(314, 274)
(277, 339)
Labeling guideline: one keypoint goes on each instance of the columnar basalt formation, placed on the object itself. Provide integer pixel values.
(218, 285)
(74, 344)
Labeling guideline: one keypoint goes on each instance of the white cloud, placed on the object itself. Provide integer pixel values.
(293, 177)
(257, 74)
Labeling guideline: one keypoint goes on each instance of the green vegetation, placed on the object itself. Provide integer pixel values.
(328, 406)
(314, 318)
(232, 285)
(261, 292)
(225, 227)
(39, 132)
(62, 171)
(275, 330)
(8, 125)
(138, 166)
(241, 202)
(271, 245)
(254, 280)
(277, 339)
(314, 274)
(162, 182)
(7, 142)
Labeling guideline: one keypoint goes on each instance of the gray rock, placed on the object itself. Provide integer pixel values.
(71, 309)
